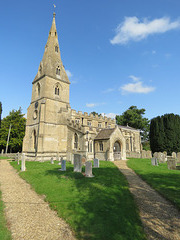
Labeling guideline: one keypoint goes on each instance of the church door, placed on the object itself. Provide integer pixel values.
(117, 151)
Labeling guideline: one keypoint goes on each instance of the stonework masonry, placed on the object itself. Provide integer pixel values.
(54, 128)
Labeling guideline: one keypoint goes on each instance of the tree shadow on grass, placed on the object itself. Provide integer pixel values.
(99, 208)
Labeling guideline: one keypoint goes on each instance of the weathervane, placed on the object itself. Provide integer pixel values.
(54, 6)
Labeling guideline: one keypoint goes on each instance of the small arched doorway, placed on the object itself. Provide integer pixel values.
(117, 150)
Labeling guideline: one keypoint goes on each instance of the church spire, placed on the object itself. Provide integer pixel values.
(51, 64)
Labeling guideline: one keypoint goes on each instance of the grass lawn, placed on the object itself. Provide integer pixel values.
(4, 232)
(99, 208)
(165, 181)
(4, 157)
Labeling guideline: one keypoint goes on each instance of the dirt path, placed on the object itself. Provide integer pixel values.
(160, 218)
(28, 216)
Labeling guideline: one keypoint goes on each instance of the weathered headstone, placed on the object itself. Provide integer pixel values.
(161, 157)
(88, 169)
(171, 164)
(178, 157)
(154, 161)
(174, 155)
(23, 163)
(57, 156)
(63, 165)
(155, 154)
(2, 151)
(52, 161)
(96, 163)
(149, 154)
(83, 160)
(77, 163)
(60, 160)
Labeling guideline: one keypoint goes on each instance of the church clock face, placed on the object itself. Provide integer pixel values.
(36, 104)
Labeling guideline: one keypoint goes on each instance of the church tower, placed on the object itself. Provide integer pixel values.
(46, 133)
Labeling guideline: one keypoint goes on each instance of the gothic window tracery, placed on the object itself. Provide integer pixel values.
(57, 90)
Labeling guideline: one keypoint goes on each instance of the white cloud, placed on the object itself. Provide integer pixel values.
(109, 115)
(134, 78)
(91, 105)
(133, 29)
(109, 90)
(137, 87)
(69, 74)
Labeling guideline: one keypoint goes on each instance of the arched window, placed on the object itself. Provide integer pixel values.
(75, 141)
(101, 146)
(56, 49)
(38, 89)
(57, 90)
(90, 146)
(58, 71)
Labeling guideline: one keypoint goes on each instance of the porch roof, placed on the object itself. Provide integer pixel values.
(104, 134)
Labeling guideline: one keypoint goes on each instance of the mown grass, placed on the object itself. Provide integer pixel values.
(165, 181)
(4, 232)
(99, 208)
(4, 157)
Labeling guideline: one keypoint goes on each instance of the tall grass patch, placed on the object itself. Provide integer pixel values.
(99, 208)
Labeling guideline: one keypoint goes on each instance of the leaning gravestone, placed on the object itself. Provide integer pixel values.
(96, 163)
(88, 169)
(63, 165)
(174, 155)
(52, 161)
(77, 163)
(154, 161)
(23, 163)
(171, 164)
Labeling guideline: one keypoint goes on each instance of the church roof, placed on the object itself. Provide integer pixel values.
(128, 128)
(51, 64)
(104, 134)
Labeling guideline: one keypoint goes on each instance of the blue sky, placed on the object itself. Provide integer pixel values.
(117, 53)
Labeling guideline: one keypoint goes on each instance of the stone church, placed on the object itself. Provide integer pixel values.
(54, 129)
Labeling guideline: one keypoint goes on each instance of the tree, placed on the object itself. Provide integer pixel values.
(133, 117)
(165, 133)
(95, 113)
(18, 122)
(0, 113)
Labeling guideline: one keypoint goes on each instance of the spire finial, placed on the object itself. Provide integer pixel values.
(54, 14)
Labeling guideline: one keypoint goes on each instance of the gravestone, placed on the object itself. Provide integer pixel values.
(96, 163)
(2, 151)
(155, 154)
(154, 161)
(178, 157)
(88, 169)
(161, 157)
(83, 160)
(57, 156)
(149, 154)
(63, 165)
(23, 163)
(171, 164)
(60, 160)
(174, 155)
(77, 163)
(52, 161)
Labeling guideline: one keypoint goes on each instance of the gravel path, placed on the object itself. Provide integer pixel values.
(161, 220)
(28, 216)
